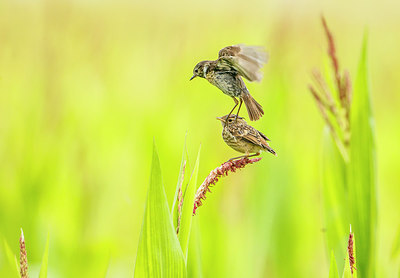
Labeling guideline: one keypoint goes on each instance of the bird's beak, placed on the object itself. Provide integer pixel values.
(194, 75)
(220, 119)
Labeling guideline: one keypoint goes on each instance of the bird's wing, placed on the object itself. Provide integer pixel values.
(263, 136)
(246, 60)
(249, 134)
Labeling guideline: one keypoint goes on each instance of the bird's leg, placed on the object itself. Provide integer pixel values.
(236, 103)
(240, 105)
(255, 154)
(246, 155)
(234, 158)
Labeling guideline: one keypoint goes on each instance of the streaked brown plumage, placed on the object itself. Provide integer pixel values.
(242, 137)
(233, 63)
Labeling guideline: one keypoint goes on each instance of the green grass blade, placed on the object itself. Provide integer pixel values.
(181, 174)
(187, 208)
(362, 171)
(159, 253)
(183, 179)
(347, 270)
(396, 245)
(45, 259)
(334, 194)
(12, 260)
(194, 266)
(333, 271)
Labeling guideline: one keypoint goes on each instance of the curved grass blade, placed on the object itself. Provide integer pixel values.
(187, 208)
(396, 245)
(45, 259)
(347, 270)
(12, 260)
(194, 266)
(334, 197)
(333, 272)
(362, 170)
(183, 178)
(159, 253)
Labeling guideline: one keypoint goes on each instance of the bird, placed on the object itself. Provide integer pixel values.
(233, 63)
(242, 137)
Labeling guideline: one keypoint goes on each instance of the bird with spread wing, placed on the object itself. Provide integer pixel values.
(233, 63)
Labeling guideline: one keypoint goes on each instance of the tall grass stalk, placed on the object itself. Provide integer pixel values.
(164, 239)
(349, 164)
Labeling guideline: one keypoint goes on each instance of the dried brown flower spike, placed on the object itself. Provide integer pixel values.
(180, 199)
(221, 171)
(334, 106)
(350, 250)
(23, 259)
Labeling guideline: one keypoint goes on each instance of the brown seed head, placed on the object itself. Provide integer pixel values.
(23, 259)
(213, 177)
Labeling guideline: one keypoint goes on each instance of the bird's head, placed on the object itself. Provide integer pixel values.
(201, 69)
(231, 119)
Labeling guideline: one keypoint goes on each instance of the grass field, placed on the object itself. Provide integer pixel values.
(85, 87)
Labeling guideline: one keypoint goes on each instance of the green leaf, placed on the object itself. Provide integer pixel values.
(333, 272)
(12, 260)
(183, 178)
(362, 170)
(159, 253)
(396, 245)
(45, 259)
(347, 270)
(194, 267)
(187, 208)
(334, 194)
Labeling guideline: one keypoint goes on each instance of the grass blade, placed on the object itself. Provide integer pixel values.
(396, 245)
(12, 260)
(194, 266)
(159, 253)
(334, 197)
(187, 208)
(183, 180)
(182, 170)
(45, 259)
(347, 270)
(333, 272)
(362, 170)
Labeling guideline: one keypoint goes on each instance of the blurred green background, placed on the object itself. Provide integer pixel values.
(86, 85)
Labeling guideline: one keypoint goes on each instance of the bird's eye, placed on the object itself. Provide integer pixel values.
(230, 120)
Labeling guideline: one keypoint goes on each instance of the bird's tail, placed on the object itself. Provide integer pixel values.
(254, 109)
(269, 149)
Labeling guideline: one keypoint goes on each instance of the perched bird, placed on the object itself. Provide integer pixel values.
(242, 137)
(233, 63)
